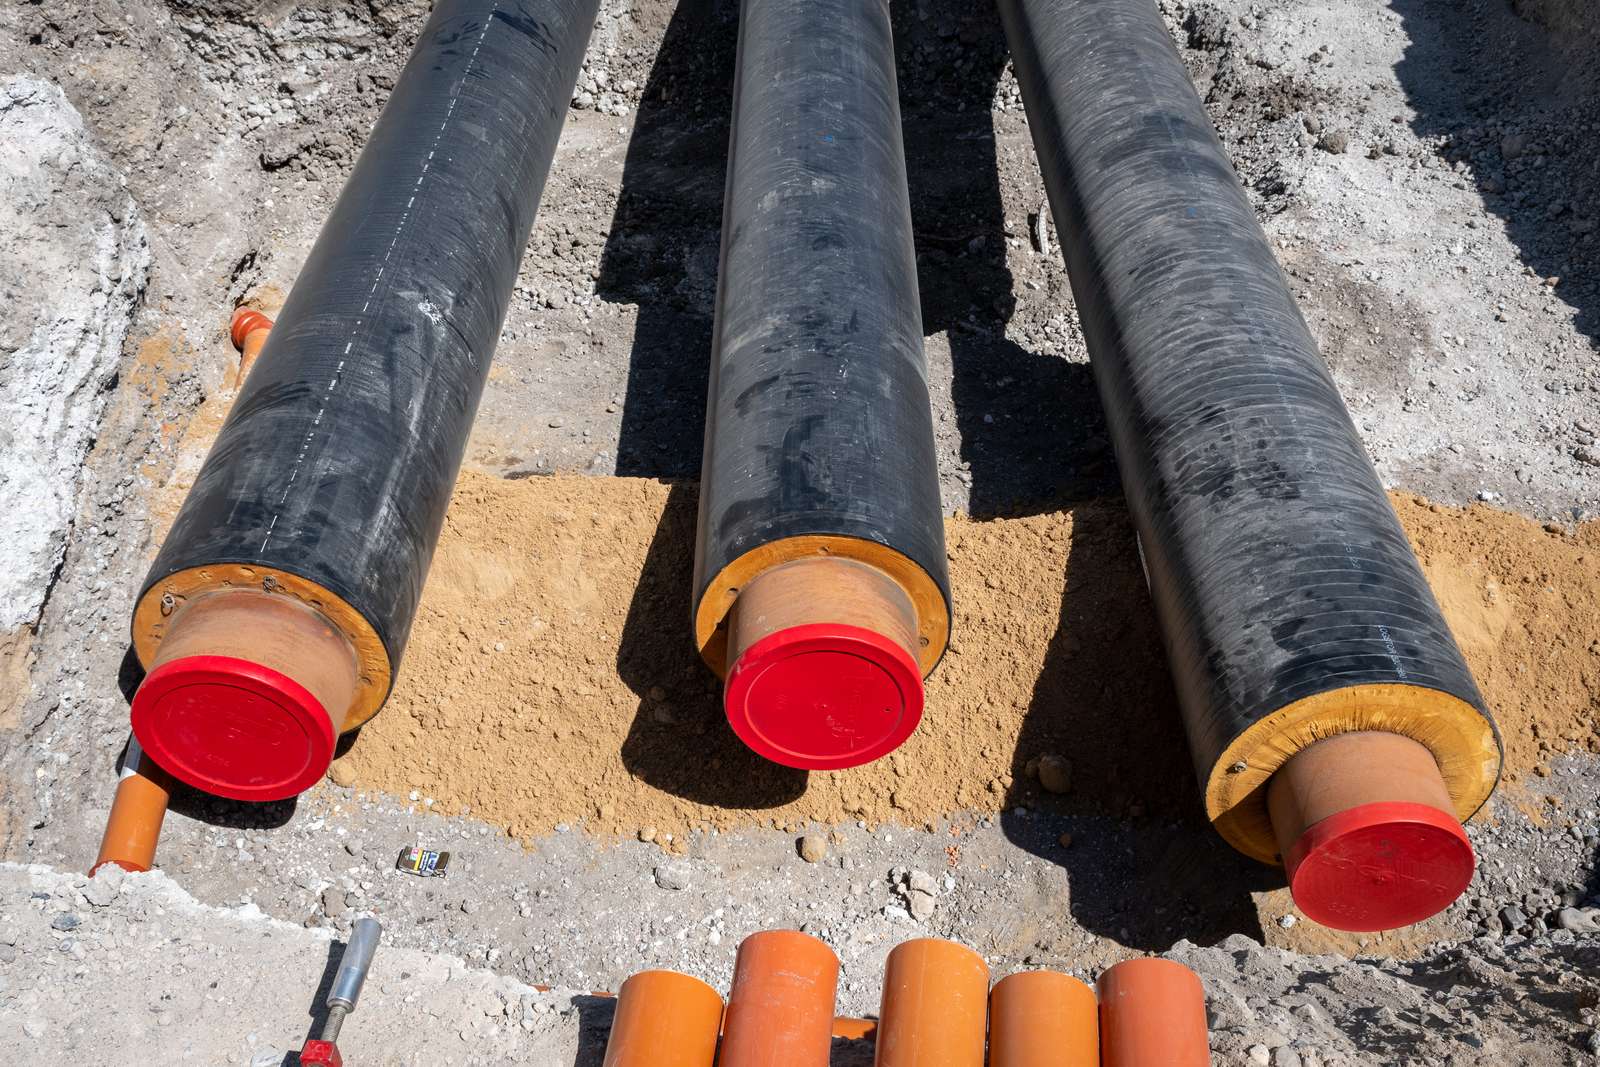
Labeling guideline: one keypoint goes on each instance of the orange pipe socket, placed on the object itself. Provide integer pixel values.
(1153, 1012)
(824, 671)
(248, 330)
(246, 695)
(1043, 1019)
(780, 1009)
(137, 812)
(1367, 832)
(664, 1019)
(935, 996)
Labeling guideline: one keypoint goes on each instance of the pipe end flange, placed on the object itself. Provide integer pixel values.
(823, 696)
(1379, 866)
(233, 728)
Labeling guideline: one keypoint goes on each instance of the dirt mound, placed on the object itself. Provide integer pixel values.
(550, 677)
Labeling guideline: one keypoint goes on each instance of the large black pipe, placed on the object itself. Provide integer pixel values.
(819, 436)
(329, 481)
(1290, 600)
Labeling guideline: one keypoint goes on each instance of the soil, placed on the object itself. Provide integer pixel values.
(554, 624)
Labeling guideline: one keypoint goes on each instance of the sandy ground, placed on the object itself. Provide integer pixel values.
(1428, 172)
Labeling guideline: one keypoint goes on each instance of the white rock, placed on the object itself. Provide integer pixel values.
(672, 876)
(72, 239)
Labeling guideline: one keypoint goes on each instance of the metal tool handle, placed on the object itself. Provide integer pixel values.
(355, 963)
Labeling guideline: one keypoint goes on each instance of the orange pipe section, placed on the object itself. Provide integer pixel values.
(935, 1000)
(780, 1009)
(664, 1019)
(1043, 1019)
(137, 812)
(1153, 1011)
(248, 330)
(854, 1029)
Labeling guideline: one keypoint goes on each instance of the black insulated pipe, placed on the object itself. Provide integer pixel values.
(819, 436)
(1290, 601)
(328, 483)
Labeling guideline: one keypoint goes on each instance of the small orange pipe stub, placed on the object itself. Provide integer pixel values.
(137, 811)
(664, 1019)
(248, 330)
(1043, 1019)
(780, 1009)
(1368, 832)
(935, 1003)
(1153, 1011)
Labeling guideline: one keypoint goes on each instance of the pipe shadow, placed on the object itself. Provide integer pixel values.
(662, 248)
(1144, 864)
(852, 1052)
(680, 741)
(1510, 99)
(594, 1028)
(1030, 427)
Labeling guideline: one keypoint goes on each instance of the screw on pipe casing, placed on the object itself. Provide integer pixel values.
(1292, 606)
(820, 584)
(291, 575)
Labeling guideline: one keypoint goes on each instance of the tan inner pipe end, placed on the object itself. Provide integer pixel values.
(1346, 771)
(278, 632)
(822, 591)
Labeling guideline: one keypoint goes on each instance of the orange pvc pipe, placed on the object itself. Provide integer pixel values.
(137, 812)
(248, 331)
(1153, 1011)
(854, 1029)
(935, 1001)
(1043, 1019)
(664, 1019)
(780, 1009)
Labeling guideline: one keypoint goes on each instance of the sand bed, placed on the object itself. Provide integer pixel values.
(550, 677)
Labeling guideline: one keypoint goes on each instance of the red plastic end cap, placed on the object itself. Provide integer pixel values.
(233, 727)
(1379, 866)
(246, 321)
(320, 1054)
(824, 696)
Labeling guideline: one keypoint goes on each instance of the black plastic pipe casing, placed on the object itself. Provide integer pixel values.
(818, 420)
(338, 458)
(1277, 565)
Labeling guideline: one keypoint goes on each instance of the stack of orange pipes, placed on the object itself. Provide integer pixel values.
(937, 1011)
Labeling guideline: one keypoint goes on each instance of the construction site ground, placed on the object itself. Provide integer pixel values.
(1429, 173)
